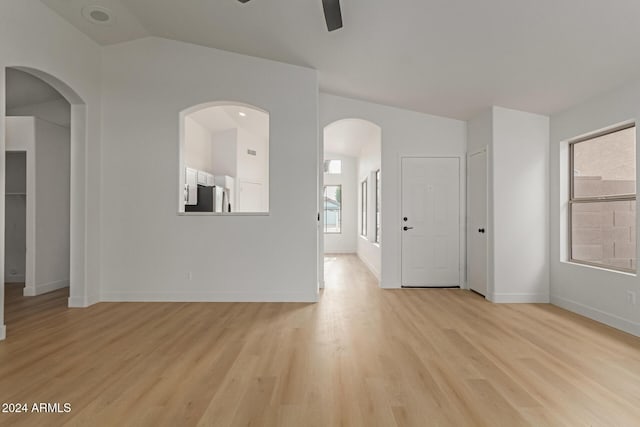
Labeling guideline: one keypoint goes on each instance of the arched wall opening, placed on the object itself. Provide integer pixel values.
(77, 175)
(350, 193)
(223, 159)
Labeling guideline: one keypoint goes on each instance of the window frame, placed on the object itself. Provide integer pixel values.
(378, 208)
(324, 211)
(594, 199)
(363, 207)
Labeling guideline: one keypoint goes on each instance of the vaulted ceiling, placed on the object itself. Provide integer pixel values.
(445, 57)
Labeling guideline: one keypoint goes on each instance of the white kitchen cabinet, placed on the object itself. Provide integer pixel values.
(190, 187)
(202, 178)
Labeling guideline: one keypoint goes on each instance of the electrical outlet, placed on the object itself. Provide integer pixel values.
(631, 297)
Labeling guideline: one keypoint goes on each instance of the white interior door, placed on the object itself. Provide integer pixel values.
(477, 222)
(430, 222)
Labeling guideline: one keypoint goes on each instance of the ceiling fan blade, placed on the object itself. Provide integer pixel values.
(243, 1)
(332, 14)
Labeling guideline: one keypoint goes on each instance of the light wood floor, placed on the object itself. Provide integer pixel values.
(360, 357)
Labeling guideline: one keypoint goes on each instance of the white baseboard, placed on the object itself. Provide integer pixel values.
(77, 302)
(124, 296)
(609, 319)
(340, 252)
(14, 278)
(3, 332)
(30, 291)
(516, 298)
(370, 266)
(92, 299)
(81, 302)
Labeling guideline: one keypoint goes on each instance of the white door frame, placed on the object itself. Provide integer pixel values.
(461, 219)
(489, 231)
(30, 212)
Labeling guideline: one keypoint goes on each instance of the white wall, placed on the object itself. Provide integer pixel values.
(517, 201)
(404, 133)
(520, 206)
(225, 152)
(24, 25)
(369, 161)
(197, 146)
(15, 242)
(344, 242)
(57, 111)
(147, 250)
(52, 171)
(593, 292)
(253, 169)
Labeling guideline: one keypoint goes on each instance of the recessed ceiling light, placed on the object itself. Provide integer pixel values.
(242, 114)
(97, 15)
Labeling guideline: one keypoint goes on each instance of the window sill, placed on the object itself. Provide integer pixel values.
(594, 267)
(223, 214)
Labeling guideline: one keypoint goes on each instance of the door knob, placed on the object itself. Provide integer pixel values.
(480, 230)
(405, 228)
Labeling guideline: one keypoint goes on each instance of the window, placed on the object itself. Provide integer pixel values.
(602, 201)
(333, 209)
(333, 167)
(363, 209)
(223, 160)
(377, 218)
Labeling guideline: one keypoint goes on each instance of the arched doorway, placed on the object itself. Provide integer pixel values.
(351, 193)
(77, 188)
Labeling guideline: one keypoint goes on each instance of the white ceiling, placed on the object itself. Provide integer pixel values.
(24, 89)
(220, 118)
(349, 136)
(125, 25)
(445, 57)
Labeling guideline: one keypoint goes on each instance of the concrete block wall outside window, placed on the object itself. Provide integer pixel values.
(603, 232)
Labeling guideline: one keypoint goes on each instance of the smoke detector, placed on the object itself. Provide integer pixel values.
(98, 15)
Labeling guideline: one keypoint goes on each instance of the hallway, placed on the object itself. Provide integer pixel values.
(362, 356)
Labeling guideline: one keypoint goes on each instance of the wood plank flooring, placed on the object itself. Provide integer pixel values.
(362, 356)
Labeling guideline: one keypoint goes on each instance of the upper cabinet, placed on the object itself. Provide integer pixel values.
(205, 178)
